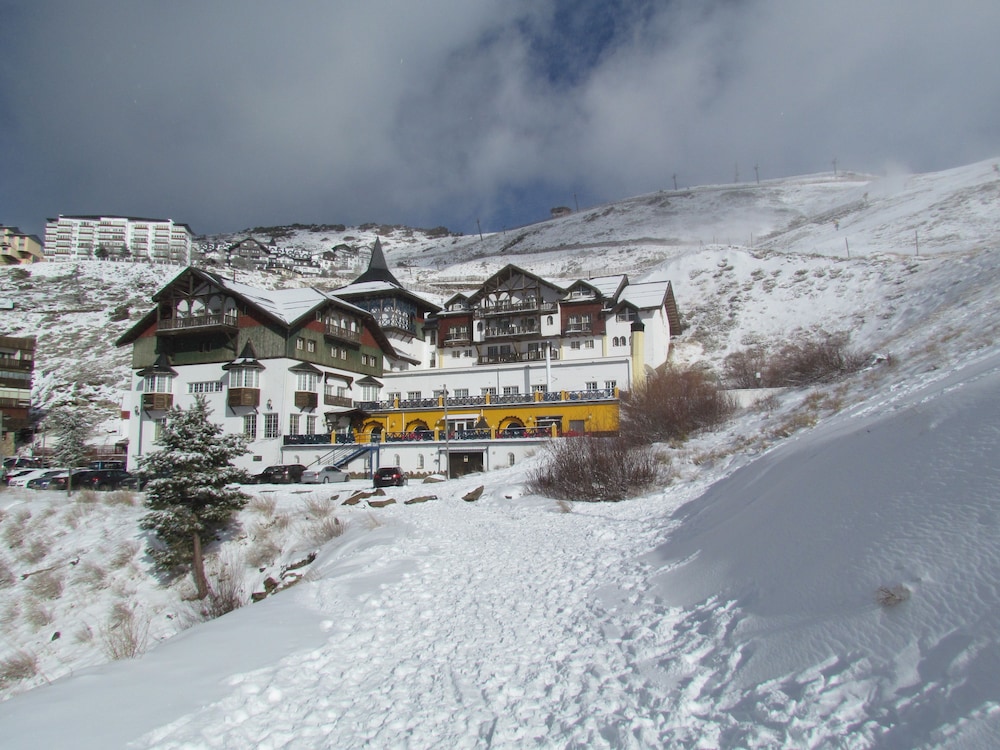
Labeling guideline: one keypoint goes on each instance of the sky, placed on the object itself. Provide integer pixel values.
(229, 115)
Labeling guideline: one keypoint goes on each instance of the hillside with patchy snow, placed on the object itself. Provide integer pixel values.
(736, 605)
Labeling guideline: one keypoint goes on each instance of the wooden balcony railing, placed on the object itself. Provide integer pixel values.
(243, 397)
(157, 401)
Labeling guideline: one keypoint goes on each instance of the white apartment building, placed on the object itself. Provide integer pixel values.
(118, 237)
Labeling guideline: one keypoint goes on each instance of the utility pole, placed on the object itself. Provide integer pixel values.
(736, 172)
(834, 166)
(576, 203)
(756, 172)
(480, 230)
(675, 181)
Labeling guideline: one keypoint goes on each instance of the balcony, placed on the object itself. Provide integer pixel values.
(243, 397)
(579, 328)
(316, 438)
(157, 401)
(497, 332)
(532, 355)
(22, 365)
(457, 338)
(306, 400)
(506, 308)
(330, 399)
(197, 323)
(340, 332)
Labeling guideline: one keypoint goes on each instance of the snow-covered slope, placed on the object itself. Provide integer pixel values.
(735, 606)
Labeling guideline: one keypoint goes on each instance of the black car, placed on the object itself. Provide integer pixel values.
(108, 479)
(281, 474)
(80, 480)
(389, 476)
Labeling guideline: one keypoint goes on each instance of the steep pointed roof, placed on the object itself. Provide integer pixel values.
(378, 269)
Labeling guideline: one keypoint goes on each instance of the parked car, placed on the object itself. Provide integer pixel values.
(390, 476)
(281, 474)
(324, 475)
(80, 477)
(21, 462)
(21, 478)
(41, 482)
(110, 479)
(12, 476)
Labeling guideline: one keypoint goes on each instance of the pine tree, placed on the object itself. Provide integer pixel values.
(70, 426)
(190, 494)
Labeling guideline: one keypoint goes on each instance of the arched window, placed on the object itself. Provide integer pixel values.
(420, 461)
(510, 459)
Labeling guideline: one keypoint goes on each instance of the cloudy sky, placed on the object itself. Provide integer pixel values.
(229, 114)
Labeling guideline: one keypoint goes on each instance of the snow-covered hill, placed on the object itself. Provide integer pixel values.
(736, 606)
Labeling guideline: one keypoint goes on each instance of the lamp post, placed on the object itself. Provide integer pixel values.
(447, 448)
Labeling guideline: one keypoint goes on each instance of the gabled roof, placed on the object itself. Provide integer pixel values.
(160, 367)
(508, 272)
(286, 307)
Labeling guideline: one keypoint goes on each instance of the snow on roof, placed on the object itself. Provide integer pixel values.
(645, 295)
(607, 285)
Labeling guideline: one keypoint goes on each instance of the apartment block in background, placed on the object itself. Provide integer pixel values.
(17, 362)
(118, 238)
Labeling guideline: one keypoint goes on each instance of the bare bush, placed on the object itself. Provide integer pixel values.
(92, 574)
(15, 528)
(124, 554)
(125, 634)
(17, 668)
(891, 596)
(263, 549)
(119, 497)
(673, 403)
(87, 497)
(317, 508)
(227, 590)
(34, 551)
(36, 614)
(46, 585)
(594, 469)
(6, 574)
(817, 358)
(263, 504)
(327, 528)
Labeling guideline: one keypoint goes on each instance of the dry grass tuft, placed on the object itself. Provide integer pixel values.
(36, 614)
(327, 528)
(124, 554)
(125, 634)
(891, 596)
(91, 574)
(18, 667)
(87, 497)
(120, 497)
(265, 505)
(46, 585)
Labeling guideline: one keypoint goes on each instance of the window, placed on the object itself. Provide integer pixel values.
(393, 395)
(626, 314)
(158, 429)
(159, 383)
(455, 354)
(207, 386)
(461, 393)
(488, 391)
(300, 343)
(420, 461)
(433, 362)
(511, 390)
(540, 388)
(306, 381)
(369, 393)
(591, 385)
(311, 424)
(588, 344)
(574, 344)
(414, 395)
(293, 424)
(271, 429)
(250, 425)
(310, 346)
(510, 459)
(244, 377)
(610, 384)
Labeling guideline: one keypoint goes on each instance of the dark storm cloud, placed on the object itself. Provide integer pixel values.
(232, 114)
